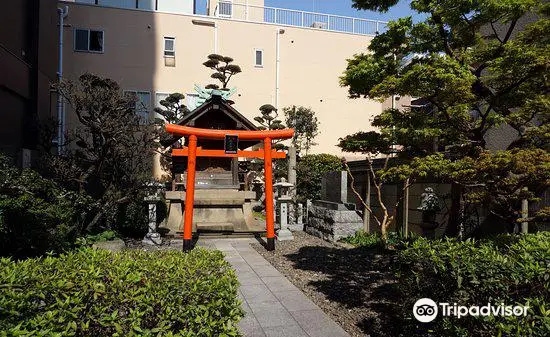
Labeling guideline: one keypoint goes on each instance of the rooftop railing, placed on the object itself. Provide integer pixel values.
(290, 17)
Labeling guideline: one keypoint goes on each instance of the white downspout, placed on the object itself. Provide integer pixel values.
(278, 67)
(215, 38)
(63, 12)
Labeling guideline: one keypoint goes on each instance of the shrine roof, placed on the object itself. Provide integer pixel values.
(217, 112)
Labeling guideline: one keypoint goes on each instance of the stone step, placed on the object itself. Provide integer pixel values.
(215, 227)
(214, 196)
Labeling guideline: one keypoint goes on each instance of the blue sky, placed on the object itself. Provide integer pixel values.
(337, 7)
(342, 7)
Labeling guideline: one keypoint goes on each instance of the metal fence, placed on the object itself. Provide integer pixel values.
(290, 17)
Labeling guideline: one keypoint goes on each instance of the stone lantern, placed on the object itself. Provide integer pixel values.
(284, 199)
(153, 237)
(429, 206)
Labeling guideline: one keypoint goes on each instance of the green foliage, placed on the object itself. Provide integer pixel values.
(133, 293)
(467, 62)
(173, 108)
(89, 240)
(268, 118)
(498, 180)
(305, 126)
(475, 66)
(510, 269)
(37, 215)
(310, 169)
(224, 69)
(110, 152)
(375, 241)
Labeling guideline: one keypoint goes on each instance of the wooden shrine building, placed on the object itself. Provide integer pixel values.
(220, 202)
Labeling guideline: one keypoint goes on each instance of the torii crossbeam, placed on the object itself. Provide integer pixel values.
(192, 152)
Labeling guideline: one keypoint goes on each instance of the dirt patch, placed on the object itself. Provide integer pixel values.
(355, 287)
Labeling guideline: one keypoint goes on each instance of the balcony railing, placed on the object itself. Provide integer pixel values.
(290, 17)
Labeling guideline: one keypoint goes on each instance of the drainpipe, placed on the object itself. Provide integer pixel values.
(63, 12)
(215, 38)
(278, 66)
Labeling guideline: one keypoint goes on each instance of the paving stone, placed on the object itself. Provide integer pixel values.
(278, 283)
(232, 255)
(235, 259)
(225, 248)
(257, 293)
(250, 327)
(249, 278)
(240, 296)
(241, 266)
(295, 300)
(255, 260)
(285, 331)
(265, 271)
(273, 306)
(271, 314)
(317, 324)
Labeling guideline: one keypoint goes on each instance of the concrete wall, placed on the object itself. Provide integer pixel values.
(310, 66)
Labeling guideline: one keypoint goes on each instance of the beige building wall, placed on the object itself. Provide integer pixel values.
(311, 62)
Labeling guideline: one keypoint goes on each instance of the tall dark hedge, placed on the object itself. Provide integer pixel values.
(310, 169)
(36, 215)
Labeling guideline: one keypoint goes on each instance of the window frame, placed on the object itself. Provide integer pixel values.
(89, 30)
(157, 115)
(150, 109)
(256, 50)
(173, 49)
(227, 2)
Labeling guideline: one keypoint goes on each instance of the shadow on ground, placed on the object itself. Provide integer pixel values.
(357, 279)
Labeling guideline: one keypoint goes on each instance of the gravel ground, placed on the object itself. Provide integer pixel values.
(353, 286)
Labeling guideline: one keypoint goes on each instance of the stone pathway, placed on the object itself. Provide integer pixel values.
(274, 307)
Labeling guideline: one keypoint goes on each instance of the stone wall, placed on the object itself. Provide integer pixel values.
(332, 221)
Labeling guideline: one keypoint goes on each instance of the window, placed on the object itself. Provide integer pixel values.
(169, 47)
(118, 3)
(88, 40)
(258, 57)
(225, 8)
(142, 105)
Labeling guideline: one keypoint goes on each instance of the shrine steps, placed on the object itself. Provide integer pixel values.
(221, 211)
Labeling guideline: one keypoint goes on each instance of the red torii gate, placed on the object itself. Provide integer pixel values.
(192, 152)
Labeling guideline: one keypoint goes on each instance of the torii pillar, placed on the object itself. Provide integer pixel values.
(193, 151)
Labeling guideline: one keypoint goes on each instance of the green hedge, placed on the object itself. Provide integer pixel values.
(133, 293)
(310, 170)
(37, 215)
(374, 240)
(511, 269)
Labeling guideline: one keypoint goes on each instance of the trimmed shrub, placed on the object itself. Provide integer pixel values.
(514, 270)
(36, 215)
(374, 240)
(310, 170)
(92, 292)
(89, 240)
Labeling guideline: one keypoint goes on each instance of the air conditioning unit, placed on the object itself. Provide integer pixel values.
(319, 25)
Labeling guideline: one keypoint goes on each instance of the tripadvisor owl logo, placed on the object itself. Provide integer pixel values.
(425, 310)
